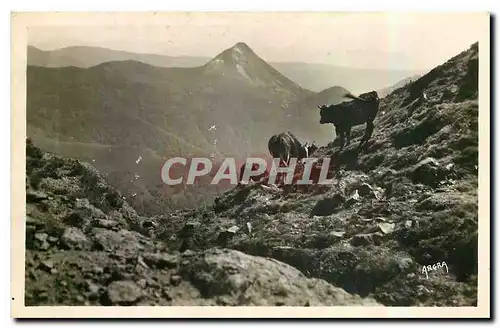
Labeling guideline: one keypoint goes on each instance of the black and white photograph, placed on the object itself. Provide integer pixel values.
(275, 163)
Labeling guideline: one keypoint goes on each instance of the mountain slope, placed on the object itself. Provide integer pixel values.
(86, 246)
(180, 101)
(242, 62)
(409, 199)
(228, 107)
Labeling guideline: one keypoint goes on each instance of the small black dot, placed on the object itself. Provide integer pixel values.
(12, 298)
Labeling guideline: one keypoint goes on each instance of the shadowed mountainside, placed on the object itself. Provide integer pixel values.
(407, 200)
(116, 113)
(86, 246)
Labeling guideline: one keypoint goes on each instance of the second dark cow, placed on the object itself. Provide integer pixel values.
(344, 116)
(286, 146)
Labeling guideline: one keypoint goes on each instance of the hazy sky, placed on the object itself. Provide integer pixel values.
(377, 40)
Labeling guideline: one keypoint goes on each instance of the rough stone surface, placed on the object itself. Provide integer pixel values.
(124, 292)
(416, 204)
(74, 238)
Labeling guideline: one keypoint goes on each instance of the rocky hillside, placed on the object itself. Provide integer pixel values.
(406, 200)
(86, 246)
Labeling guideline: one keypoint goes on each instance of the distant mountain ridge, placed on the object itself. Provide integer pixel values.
(404, 82)
(312, 76)
(86, 56)
(241, 61)
(114, 113)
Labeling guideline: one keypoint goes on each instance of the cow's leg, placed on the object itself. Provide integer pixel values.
(368, 132)
(342, 133)
(337, 134)
(348, 134)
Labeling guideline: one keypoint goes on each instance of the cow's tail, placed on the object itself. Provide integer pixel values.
(351, 96)
(372, 97)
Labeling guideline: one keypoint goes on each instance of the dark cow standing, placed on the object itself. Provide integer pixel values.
(347, 114)
(285, 146)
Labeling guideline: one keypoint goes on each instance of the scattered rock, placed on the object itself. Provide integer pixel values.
(92, 289)
(337, 233)
(428, 171)
(366, 239)
(141, 262)
(33, 196)
(36, 223)
(148, 224)
(249, 228)
(188, 229)
(74, 238)
(41, 236)
(47, 265)
(442, 201)
(161, 260)
(175, 280)
(227, 234)
(114, 240)
(84, 214)
(365, 190)
(41, 241)
(166, 295)
(42, 295)
(386, 228)
(220, 273)
(142, 283)
(328, 206)
(353, 199)
(107, 224)
(124, 292)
